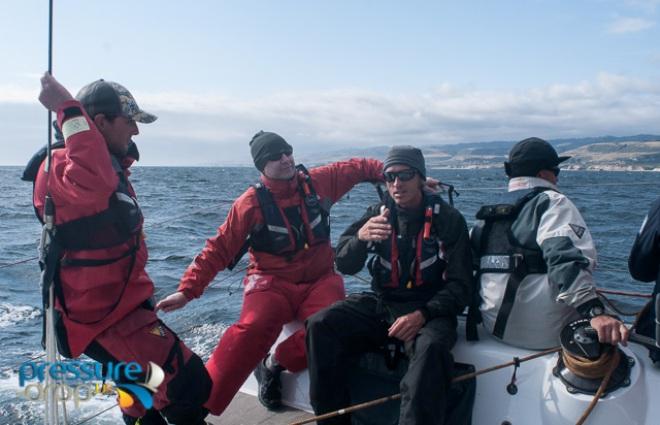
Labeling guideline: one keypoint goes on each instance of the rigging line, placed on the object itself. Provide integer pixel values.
(146, 226)
(623, 293)
(87, 419)
(2, 266)
(459, 378)
(611, 305)
(363, 279)
(17, 365)
(232, 274)
(214, 206)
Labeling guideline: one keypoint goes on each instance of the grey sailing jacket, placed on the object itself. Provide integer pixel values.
(544, 302)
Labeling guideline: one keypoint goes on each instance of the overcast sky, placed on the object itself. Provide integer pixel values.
(332, 74)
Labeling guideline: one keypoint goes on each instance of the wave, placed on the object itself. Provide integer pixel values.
(14, 314)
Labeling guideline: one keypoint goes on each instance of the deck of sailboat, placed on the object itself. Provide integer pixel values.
(245, 409)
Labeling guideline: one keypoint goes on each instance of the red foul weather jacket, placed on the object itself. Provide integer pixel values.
(331, 182)
(80, 183)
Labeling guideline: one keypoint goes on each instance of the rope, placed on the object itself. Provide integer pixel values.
(460, 378)
(585, 368)
(593, 369)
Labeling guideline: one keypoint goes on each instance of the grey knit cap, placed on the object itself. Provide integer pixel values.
(406, 155)
(265, 144)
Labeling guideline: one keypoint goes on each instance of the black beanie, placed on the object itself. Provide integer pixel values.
(265, 144)
(406, 155)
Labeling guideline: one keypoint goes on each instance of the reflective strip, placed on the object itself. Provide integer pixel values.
(385, 263)
(73, 126)
(315, 222)
(424, 264)
(278, 229)
(497, 262)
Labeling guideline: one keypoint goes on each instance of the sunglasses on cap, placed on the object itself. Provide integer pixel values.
(277, 156)
(403, 176)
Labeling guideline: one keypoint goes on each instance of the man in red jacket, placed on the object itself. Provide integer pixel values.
(103, 291)
(284, 220)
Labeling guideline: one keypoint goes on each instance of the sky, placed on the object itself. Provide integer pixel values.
(335, 74)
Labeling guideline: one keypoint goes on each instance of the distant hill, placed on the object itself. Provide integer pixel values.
(631, 153)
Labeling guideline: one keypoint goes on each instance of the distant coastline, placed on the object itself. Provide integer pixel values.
(565, 168)
(607, 153)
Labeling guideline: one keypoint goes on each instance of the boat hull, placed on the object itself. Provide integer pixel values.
(542, 398)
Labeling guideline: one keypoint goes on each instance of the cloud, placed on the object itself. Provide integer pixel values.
(208, 129)
(13, 93)
(628, 25)
(448, 113)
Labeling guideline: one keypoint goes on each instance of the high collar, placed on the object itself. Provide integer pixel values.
(281, 188)
(520, 183)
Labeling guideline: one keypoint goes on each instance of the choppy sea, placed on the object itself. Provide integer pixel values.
(184, 206)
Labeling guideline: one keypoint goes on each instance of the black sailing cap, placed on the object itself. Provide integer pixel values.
(530, 156)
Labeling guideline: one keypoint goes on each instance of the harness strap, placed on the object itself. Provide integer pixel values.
(174, 351)
(91, 262)
(512, 285)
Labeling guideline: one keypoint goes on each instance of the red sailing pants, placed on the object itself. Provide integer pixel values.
(140, 337)
(268, 304)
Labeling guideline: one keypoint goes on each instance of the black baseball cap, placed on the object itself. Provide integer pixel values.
(110, 98)
(530, 156)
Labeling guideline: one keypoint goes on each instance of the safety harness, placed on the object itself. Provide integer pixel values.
(117, 225)
(289, 230)
(499, 252)
(429, 260)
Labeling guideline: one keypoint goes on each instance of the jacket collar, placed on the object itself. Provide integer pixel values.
(281, 188)
(520, 183)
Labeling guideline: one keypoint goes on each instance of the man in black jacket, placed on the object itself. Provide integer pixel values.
(644, 265)
(421, 279)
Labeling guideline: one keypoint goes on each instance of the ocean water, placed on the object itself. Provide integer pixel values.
(184, 206)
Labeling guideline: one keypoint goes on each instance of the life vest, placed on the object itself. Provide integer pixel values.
(287, 231)
(429, 262)
(498, 252)
(118, 224)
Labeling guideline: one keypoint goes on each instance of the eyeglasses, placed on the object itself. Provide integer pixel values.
(403, 176)
(555, 171)
(277, 156)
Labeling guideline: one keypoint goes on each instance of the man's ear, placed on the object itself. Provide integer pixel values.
(100, 121)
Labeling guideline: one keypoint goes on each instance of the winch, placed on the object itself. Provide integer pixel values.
(585, 362)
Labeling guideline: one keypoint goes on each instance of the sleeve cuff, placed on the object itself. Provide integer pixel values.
(592, 308)
(426, 313)
(187, 292)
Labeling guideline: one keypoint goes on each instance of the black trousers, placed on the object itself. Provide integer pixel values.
(338, 334)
